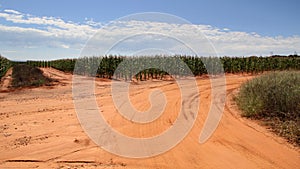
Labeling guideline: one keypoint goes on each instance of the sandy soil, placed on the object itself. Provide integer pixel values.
(39, 129)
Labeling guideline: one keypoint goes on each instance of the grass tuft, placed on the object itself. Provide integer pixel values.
(275, 99)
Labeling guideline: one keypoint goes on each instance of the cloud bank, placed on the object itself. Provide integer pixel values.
(24, 36)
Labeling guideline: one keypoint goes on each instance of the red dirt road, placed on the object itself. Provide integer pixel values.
(39, 129)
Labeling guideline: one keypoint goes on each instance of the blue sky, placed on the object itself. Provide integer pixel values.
(260, 21)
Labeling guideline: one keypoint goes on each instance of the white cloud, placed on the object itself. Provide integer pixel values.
(27, 31)
(226, 29)
(91, 22)
(43, 31)
(52, 22)
(12, 11)
(65, 46)
(233, 43)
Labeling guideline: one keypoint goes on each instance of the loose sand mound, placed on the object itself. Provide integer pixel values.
(39, 129)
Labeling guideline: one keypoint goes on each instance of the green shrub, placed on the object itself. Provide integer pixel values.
(275, 98)
(5, 64)
(25, 75)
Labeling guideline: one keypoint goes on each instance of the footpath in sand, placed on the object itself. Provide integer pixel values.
(39, 129)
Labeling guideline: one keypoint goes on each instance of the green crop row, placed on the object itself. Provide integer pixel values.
(5, 64)
(121, 67)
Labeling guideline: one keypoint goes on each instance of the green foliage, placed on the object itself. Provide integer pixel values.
(26, 75)
(5, 64)
(274, 97)
(106, 66)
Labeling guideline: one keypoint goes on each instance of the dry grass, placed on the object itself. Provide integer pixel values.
(275, 99)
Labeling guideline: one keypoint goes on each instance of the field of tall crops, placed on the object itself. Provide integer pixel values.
(107, 66)
(198, 65)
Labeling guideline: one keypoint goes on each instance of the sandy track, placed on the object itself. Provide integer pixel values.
(39, 129)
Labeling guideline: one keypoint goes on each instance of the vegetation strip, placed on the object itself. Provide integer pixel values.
(109, 64)
(275, 99)
(25, 75)
(5, 64)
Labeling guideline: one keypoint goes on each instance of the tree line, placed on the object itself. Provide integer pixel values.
(158, 67)
(5, 64)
